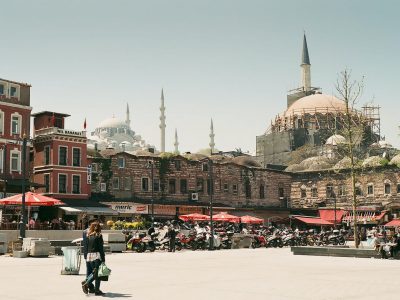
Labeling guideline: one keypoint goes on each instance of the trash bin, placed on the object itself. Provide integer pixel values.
(71, 262)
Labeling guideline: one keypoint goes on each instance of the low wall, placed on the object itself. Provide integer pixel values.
(335, 251)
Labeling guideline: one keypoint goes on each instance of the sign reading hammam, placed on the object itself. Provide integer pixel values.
(129, 208)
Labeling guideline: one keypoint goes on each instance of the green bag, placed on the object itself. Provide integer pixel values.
(103, 271)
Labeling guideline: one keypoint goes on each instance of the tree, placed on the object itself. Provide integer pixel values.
(350, 91)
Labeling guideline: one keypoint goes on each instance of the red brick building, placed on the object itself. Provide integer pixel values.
(60, 157)
(15, 111)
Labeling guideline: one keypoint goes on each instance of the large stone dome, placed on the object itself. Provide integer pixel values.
(112, 123)
(317, 103)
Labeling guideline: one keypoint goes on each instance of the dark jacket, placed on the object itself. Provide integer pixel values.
(92, 244)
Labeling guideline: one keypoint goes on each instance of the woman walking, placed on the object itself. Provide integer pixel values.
(93, 248)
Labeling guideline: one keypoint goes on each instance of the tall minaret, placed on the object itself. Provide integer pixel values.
(305, 67)
(176, 144)
(128, 120)
(162, 124)
(212, 135)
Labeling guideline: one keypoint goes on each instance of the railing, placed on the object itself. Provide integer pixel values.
(56, 130)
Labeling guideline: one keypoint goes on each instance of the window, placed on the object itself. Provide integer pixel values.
(103, 187)
(13, 91)
(370, 189)
(62, 183)
(121, 162)
(303, 192)
(145, 184)
(247, 188)
(183, 186)
(342, 190)
(398, 188)
(330, 192)
(76, 184)
(281, 192)
(177, 165)
(15, 161)
(387, 188)
(358, 191)
(116, 183)
(127, 183)
(1, 122)
(2, 160)
(76, 157)
(47, 155)
(205, 167)
(226, 188)
(235, 189)
(2, 89)
(314, 192)
(94, 167)
(172, 186)
(156, 184)
(199, 185)
(262, 192)
(47, 183)
(15, 124)
(62, 156)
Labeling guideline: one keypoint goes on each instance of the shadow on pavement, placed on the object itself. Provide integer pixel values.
(117, 295)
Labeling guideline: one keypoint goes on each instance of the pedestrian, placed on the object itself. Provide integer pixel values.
(89, 269)
(171, 236)
(94, 249)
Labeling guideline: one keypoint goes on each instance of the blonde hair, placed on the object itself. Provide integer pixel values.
(94, 228)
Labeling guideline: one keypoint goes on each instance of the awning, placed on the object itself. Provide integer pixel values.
(393, 223)
(105, 211)
(329, 215)
(313, 221)
(364, 216)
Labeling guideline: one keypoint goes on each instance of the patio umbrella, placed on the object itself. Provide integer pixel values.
(225, 217)
(194, 217)
(31, 199)
(251, 220)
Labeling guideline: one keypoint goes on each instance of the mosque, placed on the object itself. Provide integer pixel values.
(311, 118)
(117, 134)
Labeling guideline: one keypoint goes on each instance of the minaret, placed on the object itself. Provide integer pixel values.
(212, 135)
(162, 124)
(176, 144)
(305, 67)
(128, 120)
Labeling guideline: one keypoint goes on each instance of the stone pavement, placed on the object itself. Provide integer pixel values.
(226, 274)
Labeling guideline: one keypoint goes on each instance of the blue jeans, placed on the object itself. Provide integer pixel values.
(89, 271)
(94, 266)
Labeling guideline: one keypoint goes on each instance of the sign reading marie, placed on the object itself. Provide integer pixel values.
(127, 208)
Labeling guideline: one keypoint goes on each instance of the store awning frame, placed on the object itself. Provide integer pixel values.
(103, 211)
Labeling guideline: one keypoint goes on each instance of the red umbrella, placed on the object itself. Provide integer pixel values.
(251, 220)
(194, 217)
(31, 199)
(225, 217)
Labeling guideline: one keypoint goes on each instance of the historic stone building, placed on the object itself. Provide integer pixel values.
(188, 179)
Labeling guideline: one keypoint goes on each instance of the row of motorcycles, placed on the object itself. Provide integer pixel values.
(141, 242)
(280, 238)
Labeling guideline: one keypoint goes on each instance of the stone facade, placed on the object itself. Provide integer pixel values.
(379, 187)
(185, 180)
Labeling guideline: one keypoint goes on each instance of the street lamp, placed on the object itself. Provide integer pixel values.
(23, 212)
(150, 164)
(210, 174)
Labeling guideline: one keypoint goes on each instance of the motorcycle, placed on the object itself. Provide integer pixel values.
(135, 243)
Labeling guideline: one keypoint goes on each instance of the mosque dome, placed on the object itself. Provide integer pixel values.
(335, 140)
(112, 123)
(317, 103)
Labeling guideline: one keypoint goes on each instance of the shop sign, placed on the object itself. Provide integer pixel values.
(164, 210)
(89, 174)
(184, 210)
(126, 208)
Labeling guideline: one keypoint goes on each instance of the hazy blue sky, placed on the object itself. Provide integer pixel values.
(229, 60)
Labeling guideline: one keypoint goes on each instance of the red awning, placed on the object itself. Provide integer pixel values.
(31, 199)
(251, 220)
(194, 217)
(313, 221)
(364, 216)
(329, 215)
(225, 217)
(393, 223)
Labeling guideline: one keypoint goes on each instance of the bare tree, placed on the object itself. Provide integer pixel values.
(350, 91)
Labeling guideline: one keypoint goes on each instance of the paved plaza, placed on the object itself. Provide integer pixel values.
(226, 274)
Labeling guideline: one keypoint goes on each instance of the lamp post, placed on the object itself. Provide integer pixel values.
(334, 224)
(150, 164)
(23, 213)
(210, 174)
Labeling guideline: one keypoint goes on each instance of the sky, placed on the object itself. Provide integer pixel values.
(229, 60)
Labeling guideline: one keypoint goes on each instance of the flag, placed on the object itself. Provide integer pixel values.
(84, 124)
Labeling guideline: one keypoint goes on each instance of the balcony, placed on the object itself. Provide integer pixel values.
(56, 130)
